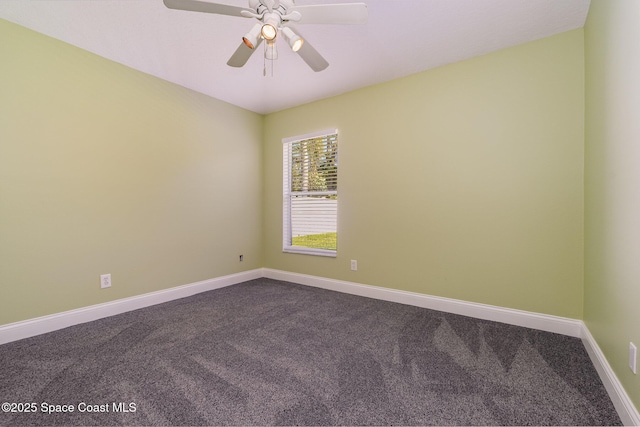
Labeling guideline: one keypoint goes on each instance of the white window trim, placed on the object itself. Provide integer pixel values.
(286, 201)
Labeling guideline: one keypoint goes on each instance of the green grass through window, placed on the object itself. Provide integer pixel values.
(317, 241)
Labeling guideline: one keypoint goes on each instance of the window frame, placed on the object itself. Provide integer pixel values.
(287, 195)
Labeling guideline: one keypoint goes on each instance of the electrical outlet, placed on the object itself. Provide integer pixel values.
(354, 265)
(633, 357)
(105, 281)
(241, 258)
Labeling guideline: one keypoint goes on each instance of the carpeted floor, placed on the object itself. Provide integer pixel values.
(274, 353)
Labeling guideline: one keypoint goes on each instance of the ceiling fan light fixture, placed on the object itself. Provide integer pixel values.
(251, 38)
(297, 44)
(270, 27)
(249, 43)
(269, 32)
(294, 40)
(271, 51)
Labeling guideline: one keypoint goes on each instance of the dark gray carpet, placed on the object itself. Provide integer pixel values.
(274, 353)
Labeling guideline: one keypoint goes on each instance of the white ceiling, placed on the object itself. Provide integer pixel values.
(191, 49)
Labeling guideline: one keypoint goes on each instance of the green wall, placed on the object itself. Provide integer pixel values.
(464, 181)
(612, 183)
(104, 169)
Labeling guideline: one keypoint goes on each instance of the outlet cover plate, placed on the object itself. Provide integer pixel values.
(105, 281)
(633, 357)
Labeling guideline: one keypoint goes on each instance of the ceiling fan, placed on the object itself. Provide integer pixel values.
(275, 18)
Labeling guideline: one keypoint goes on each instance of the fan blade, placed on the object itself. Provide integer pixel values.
(242, 55)
(345, 13)
(203, 6)
(312, 57)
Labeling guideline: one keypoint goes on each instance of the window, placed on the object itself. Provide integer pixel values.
(310, 193)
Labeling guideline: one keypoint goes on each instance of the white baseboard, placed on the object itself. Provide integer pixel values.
(623, 404)
(544, 322)
(42, 325)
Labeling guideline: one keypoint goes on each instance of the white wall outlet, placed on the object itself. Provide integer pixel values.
(105, 281)
(633, 357)
(354, 265)
(241, 258)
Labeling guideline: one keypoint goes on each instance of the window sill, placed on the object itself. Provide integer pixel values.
(309, 251)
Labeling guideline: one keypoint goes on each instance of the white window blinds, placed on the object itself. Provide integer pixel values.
(310, 193)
